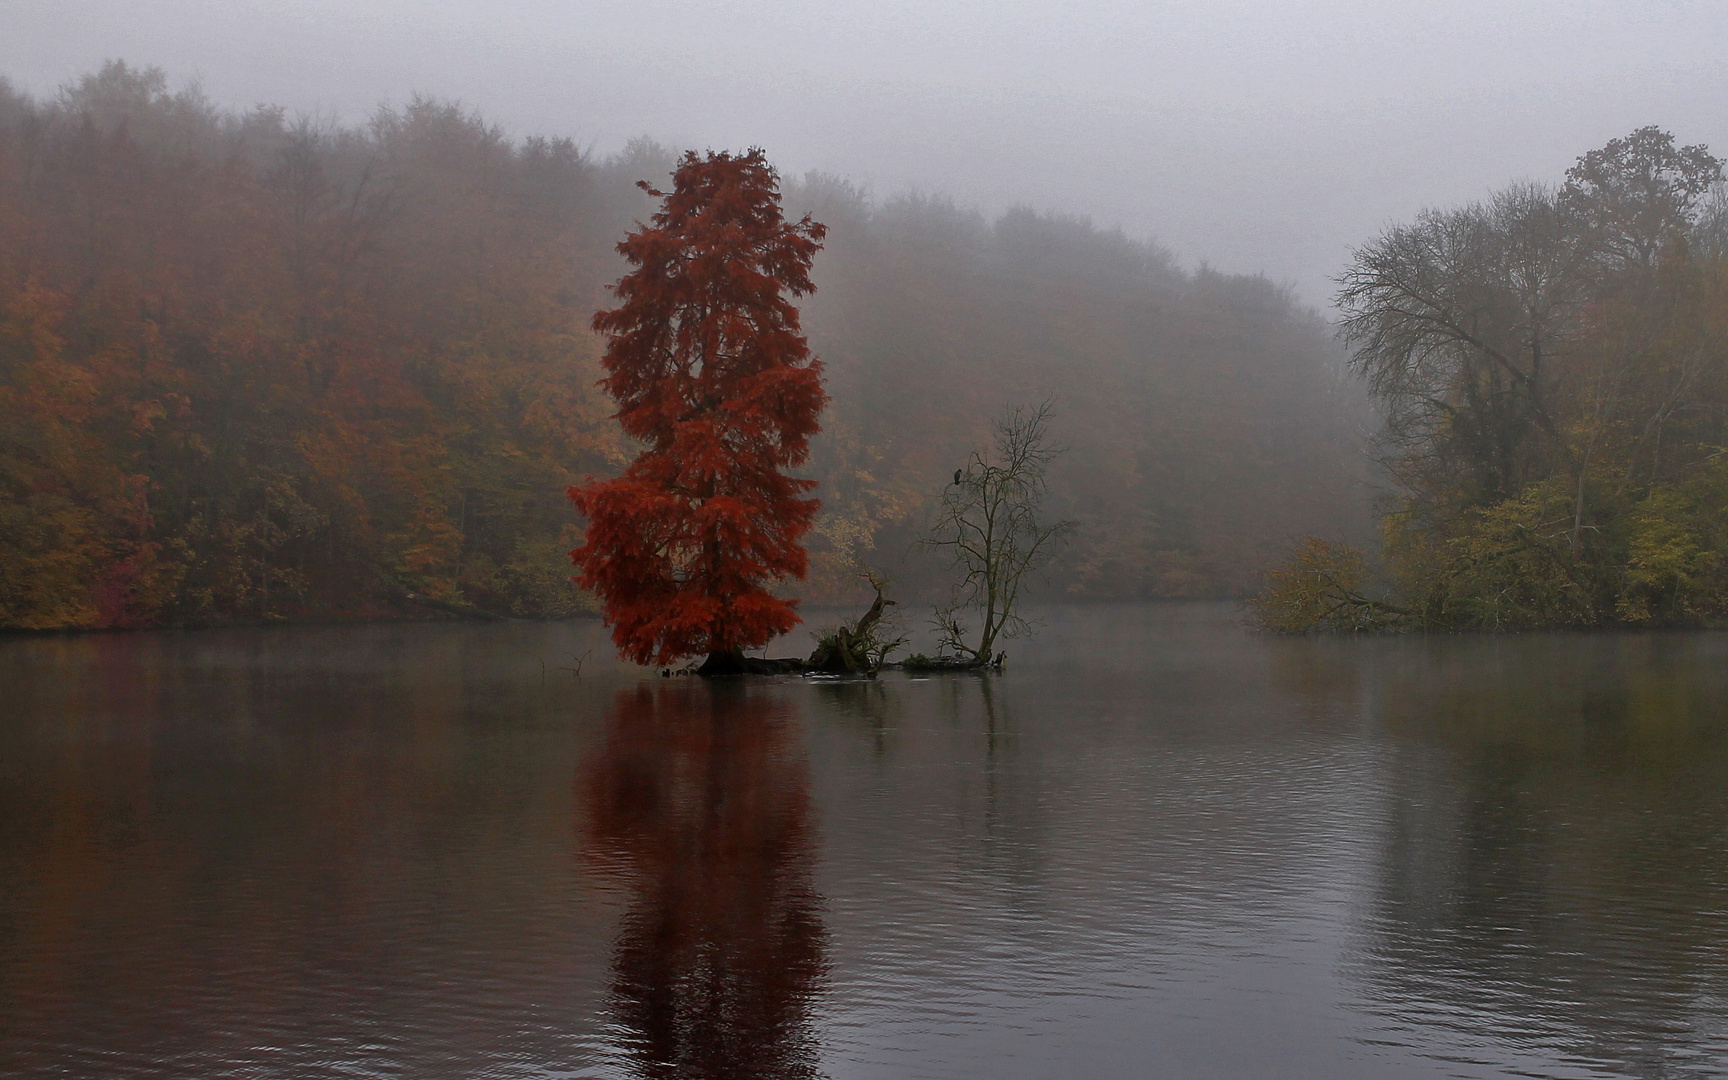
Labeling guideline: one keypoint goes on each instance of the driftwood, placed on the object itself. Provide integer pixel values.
(848, 652)
(852, 649)
(729, 665)
(786, 665)
(951, 663)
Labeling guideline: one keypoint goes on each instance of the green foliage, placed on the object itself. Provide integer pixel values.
(534, 582)
(1657, 561)
(1510, 568)
(1677, 553)
(1554, 370)
(1320, 587)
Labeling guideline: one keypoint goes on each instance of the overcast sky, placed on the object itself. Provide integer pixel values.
(1256, 135)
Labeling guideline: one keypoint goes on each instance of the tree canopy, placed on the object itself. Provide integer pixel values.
(1553, 366)
(256, 367)
(711, 373)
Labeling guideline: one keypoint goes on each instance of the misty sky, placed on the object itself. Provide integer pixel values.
(1256, 135)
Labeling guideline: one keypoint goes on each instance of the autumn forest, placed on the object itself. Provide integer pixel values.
(1552, 368)
(261, 367)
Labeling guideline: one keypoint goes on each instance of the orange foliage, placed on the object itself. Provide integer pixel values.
(254, 369)
(709, 369)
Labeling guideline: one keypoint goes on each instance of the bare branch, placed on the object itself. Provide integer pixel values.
(988, 520)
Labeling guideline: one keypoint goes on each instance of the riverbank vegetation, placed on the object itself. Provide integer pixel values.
(256, 366)
(1552, 365)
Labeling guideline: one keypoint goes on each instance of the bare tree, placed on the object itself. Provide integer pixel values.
(989, 521)
(1455, 321)
(1470, 325)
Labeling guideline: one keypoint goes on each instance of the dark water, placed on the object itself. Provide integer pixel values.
(1156, 846)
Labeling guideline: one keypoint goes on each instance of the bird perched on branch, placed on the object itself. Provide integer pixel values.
(957, 474)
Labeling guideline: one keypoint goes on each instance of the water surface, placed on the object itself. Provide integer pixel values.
(1155, 846)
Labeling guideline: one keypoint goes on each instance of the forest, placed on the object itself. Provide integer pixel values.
(1552, 368)
(257, 367)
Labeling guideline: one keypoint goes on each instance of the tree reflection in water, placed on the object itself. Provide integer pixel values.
(699, 799)
(1554, 849)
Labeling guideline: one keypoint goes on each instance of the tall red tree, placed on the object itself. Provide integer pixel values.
(707, 364)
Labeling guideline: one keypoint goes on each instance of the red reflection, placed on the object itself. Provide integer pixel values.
(700, 800)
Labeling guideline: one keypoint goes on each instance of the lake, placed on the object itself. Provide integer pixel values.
(1155, 845)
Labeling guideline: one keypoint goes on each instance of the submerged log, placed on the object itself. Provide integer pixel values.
(725, 665)
(951, 663)
(785, 665)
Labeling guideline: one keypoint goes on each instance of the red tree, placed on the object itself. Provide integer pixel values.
(705, 359)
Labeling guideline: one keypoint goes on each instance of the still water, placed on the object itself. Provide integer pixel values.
(1155, 846)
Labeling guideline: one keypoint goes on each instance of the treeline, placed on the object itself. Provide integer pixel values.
(1553, 368)
(258, 367)
(1207, 417)
(253, 367)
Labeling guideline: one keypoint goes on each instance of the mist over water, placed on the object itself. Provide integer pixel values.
(296, 305)
(1155, 844)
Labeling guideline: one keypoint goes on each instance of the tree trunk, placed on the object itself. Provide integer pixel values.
(720, 665)
(842, 657)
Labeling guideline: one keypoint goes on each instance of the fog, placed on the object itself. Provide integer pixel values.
(328, 347)
(1250, 135)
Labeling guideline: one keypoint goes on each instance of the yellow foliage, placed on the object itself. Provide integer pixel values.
(1320, 587)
